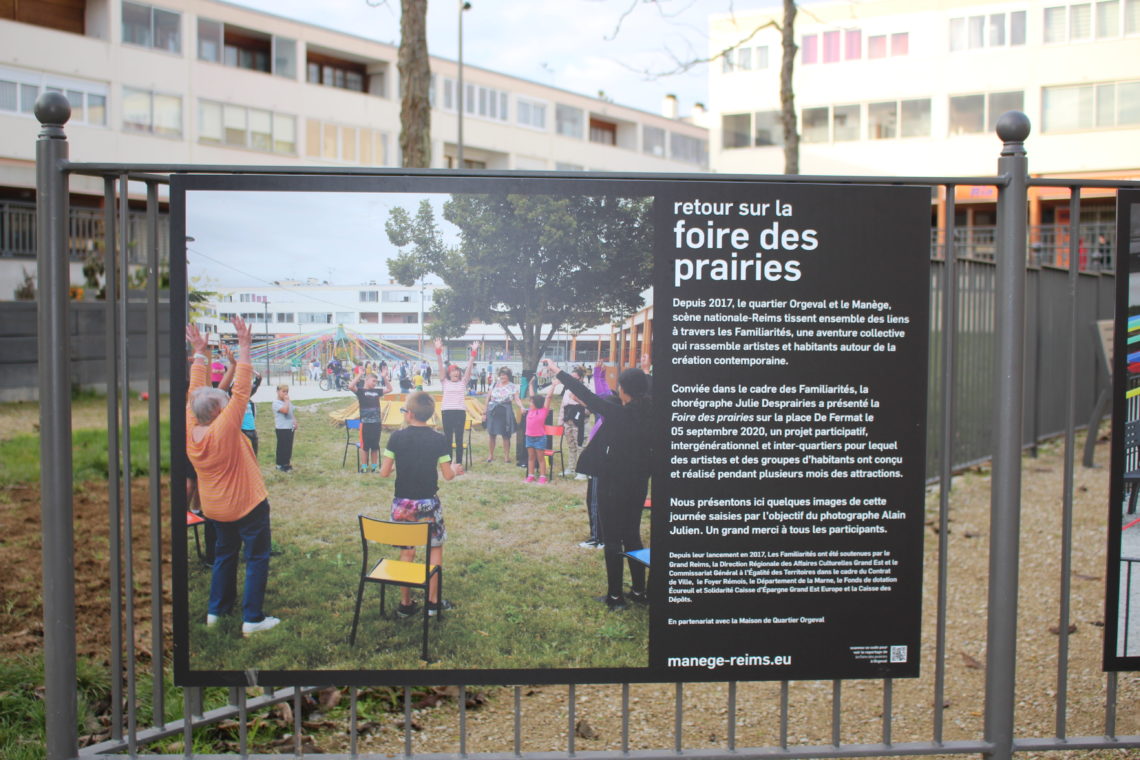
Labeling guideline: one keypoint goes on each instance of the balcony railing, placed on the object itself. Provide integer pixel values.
(85, 233)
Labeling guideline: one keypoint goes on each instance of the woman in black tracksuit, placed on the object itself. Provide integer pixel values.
(619, 457)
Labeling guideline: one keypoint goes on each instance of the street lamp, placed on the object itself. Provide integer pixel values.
(463, 6)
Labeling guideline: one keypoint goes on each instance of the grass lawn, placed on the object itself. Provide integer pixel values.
(522, 587)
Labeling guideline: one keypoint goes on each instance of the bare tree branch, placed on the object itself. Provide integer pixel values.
(682, 65)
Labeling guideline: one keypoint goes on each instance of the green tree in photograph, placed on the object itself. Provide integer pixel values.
(532, 264)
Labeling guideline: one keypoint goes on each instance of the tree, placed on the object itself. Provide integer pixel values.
(788, 47)
(532, 264)
(415, 79)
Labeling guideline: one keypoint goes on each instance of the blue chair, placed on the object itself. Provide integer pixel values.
(351, 438)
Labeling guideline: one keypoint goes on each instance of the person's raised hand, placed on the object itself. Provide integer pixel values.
(196, 339)
(645, 365)
(244, 332)
(551, 366)
(438, 345)
(229, 354)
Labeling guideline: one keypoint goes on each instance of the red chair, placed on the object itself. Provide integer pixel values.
(193, 520)
(555, 432)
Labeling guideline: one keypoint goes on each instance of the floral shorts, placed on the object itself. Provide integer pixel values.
(419, 510)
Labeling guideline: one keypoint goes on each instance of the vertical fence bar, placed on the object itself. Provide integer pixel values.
(1005, 506)
(1070, 455)
(625, 719)
(353, 722)
(518, 721)
(463, 721)
(298, 725)
(154, 440)
(783, 714)
(678, 716)
(949, 345)
(888, 708)
(407, 721)
(836, 710)
(570, 720)
(1110, 706)
(114, 513)
(54, 353)
(125, 463)
(731, 728)
(243, 724)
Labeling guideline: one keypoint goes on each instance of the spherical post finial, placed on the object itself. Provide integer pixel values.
(1013, 127)
(52, 109)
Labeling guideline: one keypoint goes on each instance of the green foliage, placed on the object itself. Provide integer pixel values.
(22, 704)
(528, 261)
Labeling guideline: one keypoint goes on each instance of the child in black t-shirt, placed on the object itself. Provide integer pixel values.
(368, 398)
(414, 452)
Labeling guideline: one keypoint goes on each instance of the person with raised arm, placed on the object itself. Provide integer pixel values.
(230, 485)
(454, 405)
(619, 456)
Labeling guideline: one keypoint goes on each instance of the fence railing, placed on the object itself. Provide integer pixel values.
(983, 349)
(85, 233)
(1047, 245)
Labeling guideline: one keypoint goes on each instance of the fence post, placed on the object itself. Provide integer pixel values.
(54, 357)
(1005, 494)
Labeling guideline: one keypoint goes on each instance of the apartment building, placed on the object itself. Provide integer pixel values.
(914, 87)
(200, 81)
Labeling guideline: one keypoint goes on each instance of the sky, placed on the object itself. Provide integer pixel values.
(256, 238)
(585, 46)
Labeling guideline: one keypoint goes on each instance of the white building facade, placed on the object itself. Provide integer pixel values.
(914, 87)
(205, 82)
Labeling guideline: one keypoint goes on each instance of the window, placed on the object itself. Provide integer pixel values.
(241, 127)
(1077, 107)
(369, 296)
(370, 317)
(568, 121)
(152, 27)
(492, 103)
(727, 61)
(882, 120)
(845, 123)
(399, 319)
(877, 46)
(603, 132)
(285, 57)
(809, 48)
(284, 316)
(995, 30)
(653, 141)
(967, 114)
(562, 166)
(1017, 28)
(246, 48)
(531, 113)
(767, 128)
(1055, 30)
(691, 150)
(314, 318)
(815, 122)
(399, 296)
(744, 59)
(146, 111)
(853, 45)
(831, 47)
(336, 72)
(900, 43)
(736, 131)
(338, 142)
(19, 89)
(915, 118)
(1131, 16)
(762, 57)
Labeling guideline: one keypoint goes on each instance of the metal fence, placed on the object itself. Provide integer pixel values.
(981, 351)
(85, 233)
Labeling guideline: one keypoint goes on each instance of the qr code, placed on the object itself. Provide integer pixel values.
(898, 653)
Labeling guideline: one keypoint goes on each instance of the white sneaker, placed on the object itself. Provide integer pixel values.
(211, 620)
(579, 476)
(265, 624)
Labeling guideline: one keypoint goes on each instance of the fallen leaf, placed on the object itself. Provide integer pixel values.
(585, 730)
(1056, 629)
(970, 662)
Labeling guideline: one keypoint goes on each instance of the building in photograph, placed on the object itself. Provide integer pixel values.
(914, 87)
(205, 82)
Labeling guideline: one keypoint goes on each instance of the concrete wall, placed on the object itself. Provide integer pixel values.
(19, 375)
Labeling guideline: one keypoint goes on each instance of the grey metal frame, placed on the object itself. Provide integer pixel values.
(998, 740)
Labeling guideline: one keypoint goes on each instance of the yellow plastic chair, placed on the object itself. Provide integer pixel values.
(395, 572)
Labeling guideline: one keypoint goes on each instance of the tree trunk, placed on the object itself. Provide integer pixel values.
(787, 95)
(415, 78)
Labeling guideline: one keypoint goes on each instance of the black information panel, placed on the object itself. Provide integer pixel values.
(790, 365)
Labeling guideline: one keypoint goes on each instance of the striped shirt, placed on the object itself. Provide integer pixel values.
(229, 480)
(454, 394)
